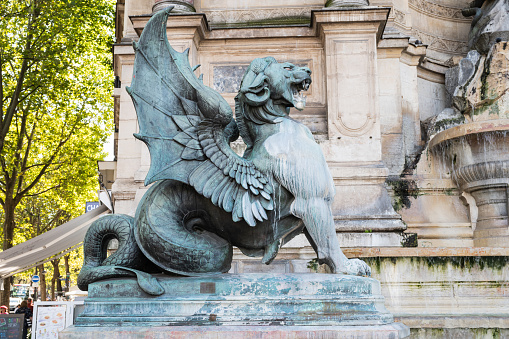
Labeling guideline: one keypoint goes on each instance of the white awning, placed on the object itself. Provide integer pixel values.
(44, 247)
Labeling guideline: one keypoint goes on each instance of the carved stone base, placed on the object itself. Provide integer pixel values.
(290, 305)
(477, 154)
(346, 3)
(180, 6)
(394, 330)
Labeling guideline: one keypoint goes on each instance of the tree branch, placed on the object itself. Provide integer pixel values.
(7, 119)
(42, 192)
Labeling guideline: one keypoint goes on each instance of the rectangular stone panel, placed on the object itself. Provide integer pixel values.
(227, 78)
(352, 97)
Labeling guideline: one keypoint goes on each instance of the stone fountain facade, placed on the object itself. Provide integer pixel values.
(411, 114)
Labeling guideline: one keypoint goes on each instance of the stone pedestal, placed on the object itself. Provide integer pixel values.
(238, 305)
(354, 147)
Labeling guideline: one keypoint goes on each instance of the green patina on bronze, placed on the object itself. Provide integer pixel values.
(205, 198)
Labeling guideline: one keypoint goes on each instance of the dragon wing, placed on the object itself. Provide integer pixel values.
(187, 128)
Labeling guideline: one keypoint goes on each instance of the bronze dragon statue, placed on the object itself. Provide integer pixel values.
(205, 198)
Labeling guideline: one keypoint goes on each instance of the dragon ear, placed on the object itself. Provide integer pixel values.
(254, 88)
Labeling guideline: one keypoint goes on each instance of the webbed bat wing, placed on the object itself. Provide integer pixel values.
(187, 128)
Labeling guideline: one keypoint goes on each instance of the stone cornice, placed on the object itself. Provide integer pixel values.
(175, 21)
(324, 17)
(259, 17)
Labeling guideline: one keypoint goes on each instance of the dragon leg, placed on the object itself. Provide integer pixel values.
(126, 261)
(315, 213)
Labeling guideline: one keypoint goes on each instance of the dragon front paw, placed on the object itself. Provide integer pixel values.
(357, 267)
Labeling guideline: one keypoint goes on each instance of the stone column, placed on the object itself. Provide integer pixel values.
(181, 6)
(346, 3)
(354, 147)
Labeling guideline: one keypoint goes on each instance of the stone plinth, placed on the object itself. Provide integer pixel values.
(234, 305)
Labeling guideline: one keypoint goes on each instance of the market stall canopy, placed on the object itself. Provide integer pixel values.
(43, 248)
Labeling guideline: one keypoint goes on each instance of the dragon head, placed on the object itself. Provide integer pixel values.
(269, 88)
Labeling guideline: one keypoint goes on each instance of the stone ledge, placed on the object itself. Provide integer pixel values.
(287, 253)
(453, 321)
(392, 331)
(426, 252)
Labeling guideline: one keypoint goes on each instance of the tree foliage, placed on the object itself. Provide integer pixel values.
(55, 107)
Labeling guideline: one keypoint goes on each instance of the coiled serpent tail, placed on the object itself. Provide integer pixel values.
(126, 261)
(175, 229)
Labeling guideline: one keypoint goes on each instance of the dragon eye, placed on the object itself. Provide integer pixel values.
(288, 68)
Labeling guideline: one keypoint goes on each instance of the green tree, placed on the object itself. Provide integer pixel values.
(55, 99)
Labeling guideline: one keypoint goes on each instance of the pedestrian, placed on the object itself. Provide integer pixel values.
(4, 309)
(23, 309)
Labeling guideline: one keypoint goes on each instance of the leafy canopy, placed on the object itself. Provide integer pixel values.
(56, 109)
(55, 59)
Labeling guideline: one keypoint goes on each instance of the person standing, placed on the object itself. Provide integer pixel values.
(23, 309)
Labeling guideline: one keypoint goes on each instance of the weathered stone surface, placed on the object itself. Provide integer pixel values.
(296, 303)
(180, 6)
(227, 79)
(483, 92)
(346, 3)
(490, 22)
(392, 331)
(247, 299)
(448, 118)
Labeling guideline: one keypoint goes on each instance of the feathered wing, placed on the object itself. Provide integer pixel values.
(183, 124)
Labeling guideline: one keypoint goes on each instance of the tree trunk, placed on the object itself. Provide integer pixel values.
(56, 278)
(67, 272)
(8, 228)
(42, 283)
(6, 293)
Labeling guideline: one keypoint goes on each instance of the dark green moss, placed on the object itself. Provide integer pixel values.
(403, 189)
(464, 333)
(409, 240)
(441, 125)
(375, 263)
(313, 265)
(469, 262)
(497, 263)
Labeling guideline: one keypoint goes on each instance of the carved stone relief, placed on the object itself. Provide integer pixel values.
(449, 46)
(437, 10)
(398, 15)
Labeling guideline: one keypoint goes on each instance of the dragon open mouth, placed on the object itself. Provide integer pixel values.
(299, 100)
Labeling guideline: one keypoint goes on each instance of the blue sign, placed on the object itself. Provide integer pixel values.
(35, 278)
(91, 205)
